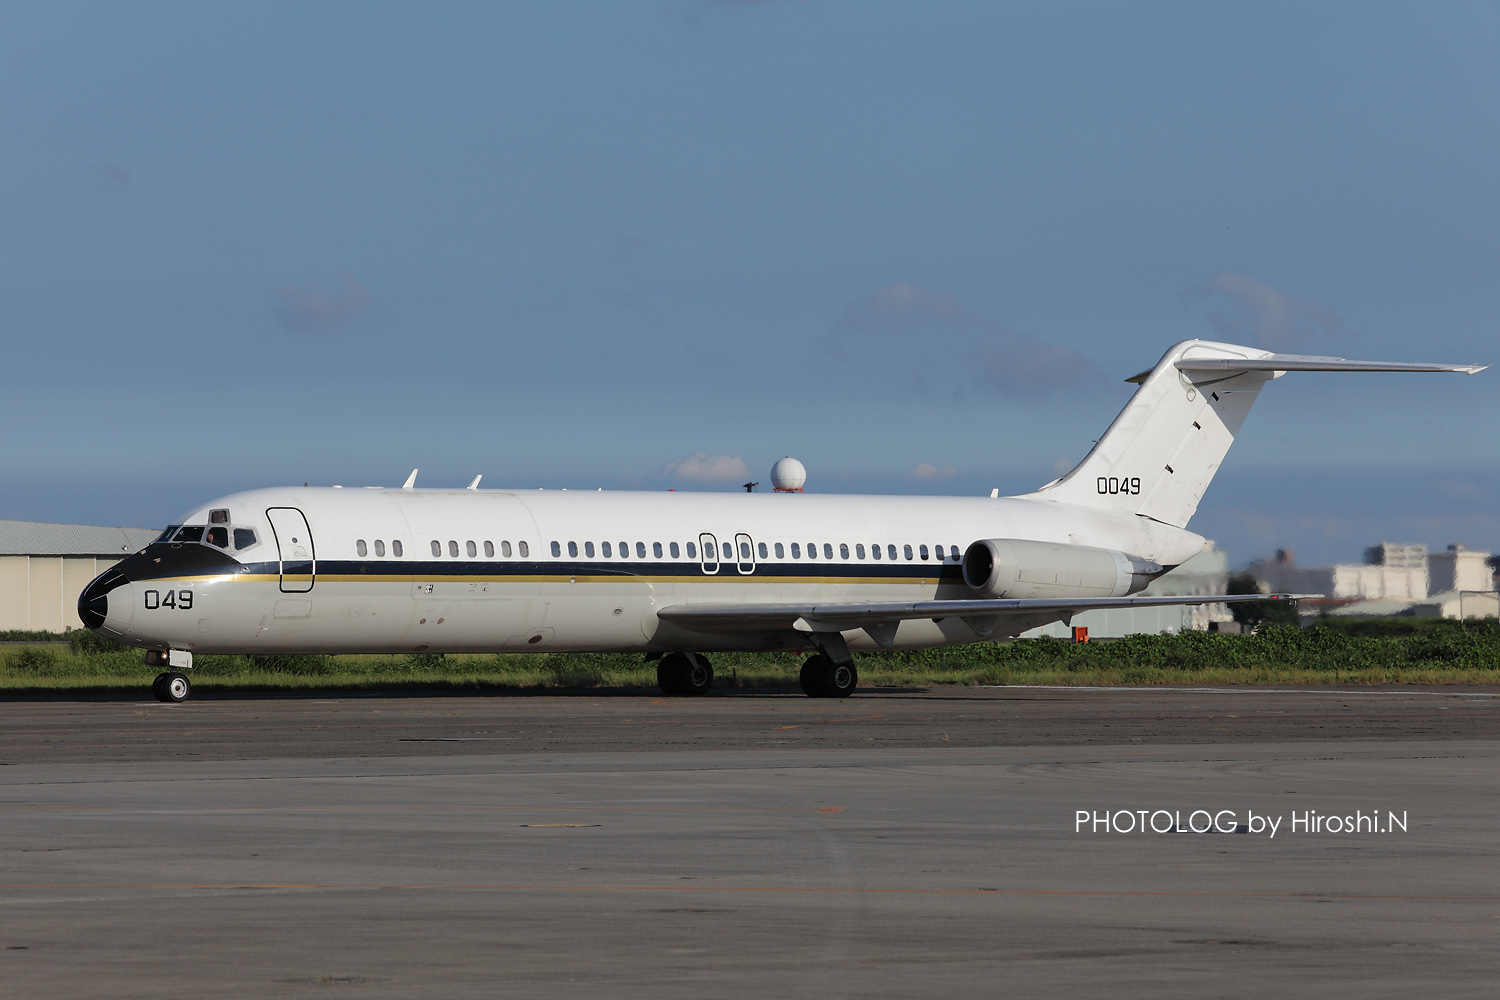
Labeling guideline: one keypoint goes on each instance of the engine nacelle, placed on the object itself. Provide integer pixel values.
(1018, 568)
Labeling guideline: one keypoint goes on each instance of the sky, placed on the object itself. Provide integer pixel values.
(662, 244)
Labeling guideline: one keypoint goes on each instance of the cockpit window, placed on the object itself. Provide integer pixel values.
(168, 533)
(189, 533)
(244, 538)
(217, 535)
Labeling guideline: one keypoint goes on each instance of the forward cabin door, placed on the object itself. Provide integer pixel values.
(294, 542)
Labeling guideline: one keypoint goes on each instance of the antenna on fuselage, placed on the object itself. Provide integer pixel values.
(411, 481)
(475, 484)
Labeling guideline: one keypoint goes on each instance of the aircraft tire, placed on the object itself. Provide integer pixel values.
(158, 687)
(822, 678)
(176, 687)
(668, 673)
(698, 675)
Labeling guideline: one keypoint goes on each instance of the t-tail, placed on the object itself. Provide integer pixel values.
(1162, 451)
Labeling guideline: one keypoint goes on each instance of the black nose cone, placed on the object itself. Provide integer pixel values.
(93, 603)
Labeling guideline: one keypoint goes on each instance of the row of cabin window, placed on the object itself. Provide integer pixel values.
(362, 550)
(764, 551)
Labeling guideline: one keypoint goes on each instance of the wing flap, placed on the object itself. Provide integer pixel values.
(881, 615)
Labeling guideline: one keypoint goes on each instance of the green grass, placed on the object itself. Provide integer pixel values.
(1384, 651)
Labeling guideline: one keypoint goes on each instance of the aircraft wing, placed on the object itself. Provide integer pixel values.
(880, 618)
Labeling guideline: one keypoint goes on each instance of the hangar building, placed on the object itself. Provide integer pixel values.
(44, 567)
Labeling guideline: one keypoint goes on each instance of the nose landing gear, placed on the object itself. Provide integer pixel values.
(171, 687)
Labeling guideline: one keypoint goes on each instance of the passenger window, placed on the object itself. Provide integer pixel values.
(780, 552)
(729, 551)
(744, 551)
(923, 551)
(606, 549)
(692, 550)
(875, 550)
(379, 547)
(796, 551)
(588, 549)
(359, 546)
(191, 533)
(505, 549)
(452, 549)
(396, 548)
(217, 535)
(244, 537)
(556, 549)
(640, 550)
(828, 551)
(624, 550)
(471, 548)
(437, 547)
(938, 551)
(573, 549)
(906, 551)
(672, 548)
(489, 549)
(859, 550)
(656, 549)
(525, 549)
(844, 551)
(762, 547)
(890, 550)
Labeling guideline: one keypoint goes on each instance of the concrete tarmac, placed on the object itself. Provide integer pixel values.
(645, 847)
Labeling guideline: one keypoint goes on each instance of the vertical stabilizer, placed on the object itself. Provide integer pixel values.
(1162, 451)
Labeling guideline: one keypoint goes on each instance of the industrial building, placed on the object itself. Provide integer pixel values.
(44, 567)
(1393, 580)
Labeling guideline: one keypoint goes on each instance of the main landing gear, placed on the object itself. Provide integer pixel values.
(691, 674)
(823, 678)
(172, 687)
(684, 673)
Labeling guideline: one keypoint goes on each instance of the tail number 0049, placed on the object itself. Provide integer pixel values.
(1113, 485)
(182, 600)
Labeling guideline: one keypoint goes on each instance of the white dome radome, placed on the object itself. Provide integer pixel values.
(788, 474)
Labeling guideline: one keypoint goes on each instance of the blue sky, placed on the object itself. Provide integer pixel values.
(651, 245)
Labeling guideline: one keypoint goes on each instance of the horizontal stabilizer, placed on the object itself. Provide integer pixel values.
(1308, 363)
(838, 617)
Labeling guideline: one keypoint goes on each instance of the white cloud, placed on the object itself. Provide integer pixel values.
(315, 307)
(701, 467)
(1265, 317)
(929, 472)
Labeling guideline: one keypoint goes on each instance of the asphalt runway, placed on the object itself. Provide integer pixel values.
(896, 844)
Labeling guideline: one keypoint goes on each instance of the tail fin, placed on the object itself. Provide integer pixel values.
(1162, 451)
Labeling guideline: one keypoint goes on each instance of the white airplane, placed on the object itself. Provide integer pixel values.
(673, 575)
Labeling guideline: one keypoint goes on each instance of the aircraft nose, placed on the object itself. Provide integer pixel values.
(110, 600)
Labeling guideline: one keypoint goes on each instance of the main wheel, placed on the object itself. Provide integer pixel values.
(176, 687)
(158, 687)
(684, 673)
(822, 678)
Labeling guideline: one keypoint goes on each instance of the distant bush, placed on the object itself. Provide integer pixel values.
(31, 658)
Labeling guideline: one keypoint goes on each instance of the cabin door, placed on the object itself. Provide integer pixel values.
(294, 542)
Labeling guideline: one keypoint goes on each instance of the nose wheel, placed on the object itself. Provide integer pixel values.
(171, 687)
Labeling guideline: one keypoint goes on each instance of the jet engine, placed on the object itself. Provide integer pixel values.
(1018, 568)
